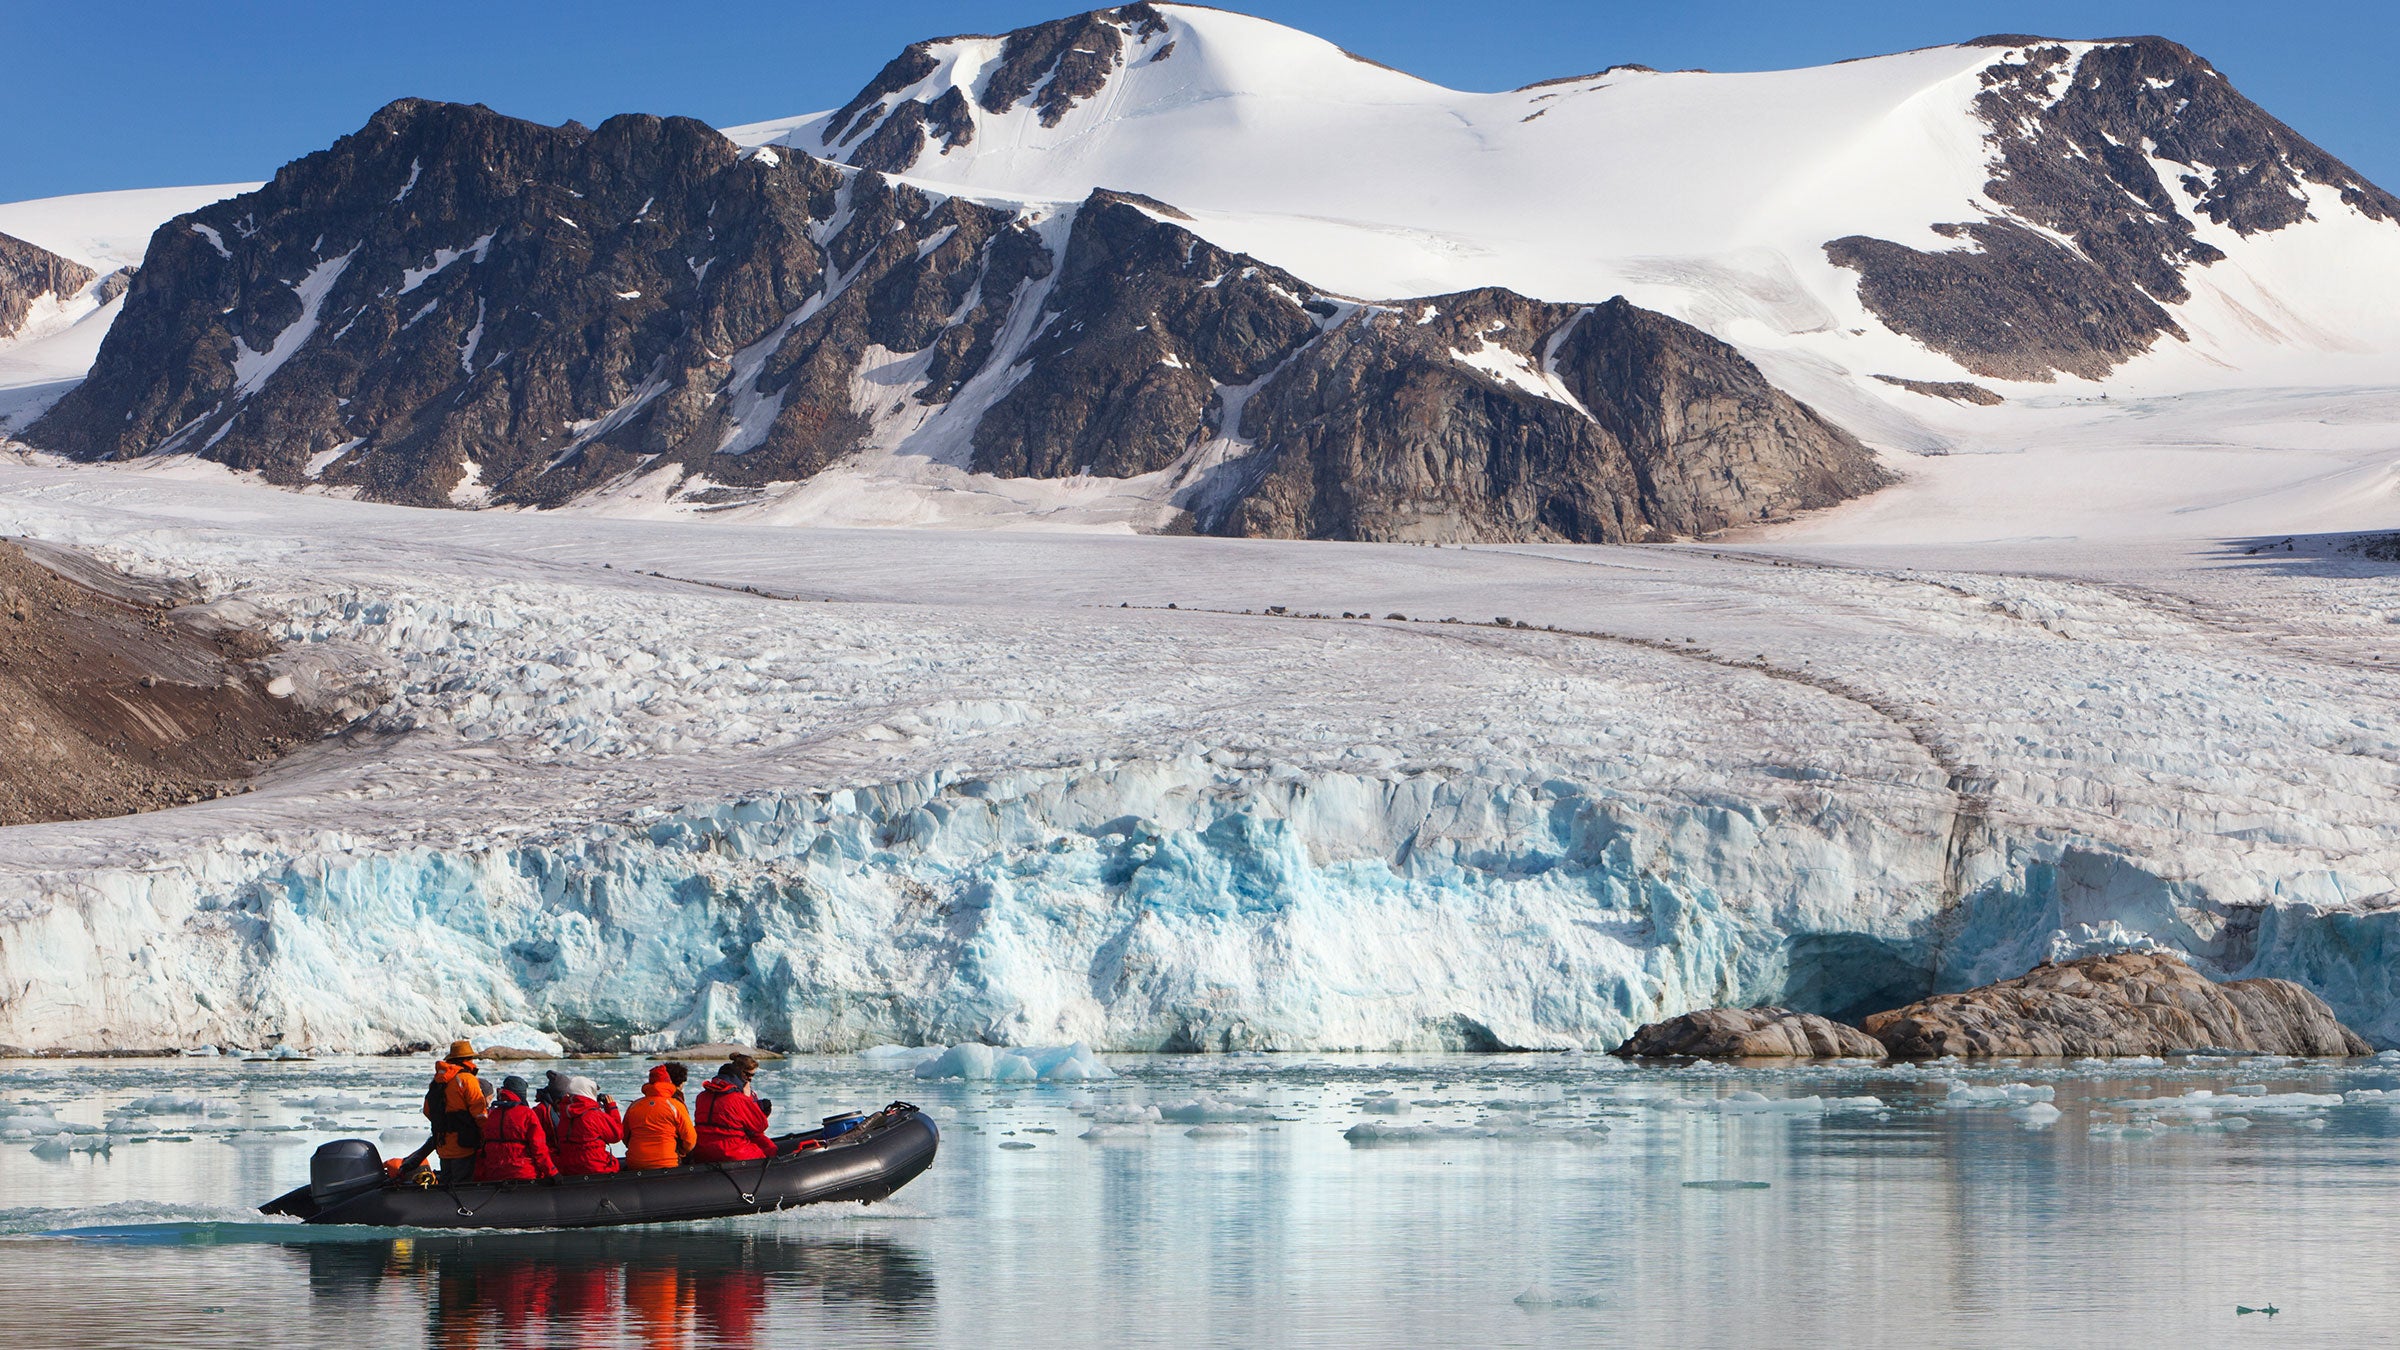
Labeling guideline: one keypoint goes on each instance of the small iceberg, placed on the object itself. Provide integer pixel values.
(1002, 1064)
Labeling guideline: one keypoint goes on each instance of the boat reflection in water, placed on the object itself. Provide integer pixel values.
(647, 1287)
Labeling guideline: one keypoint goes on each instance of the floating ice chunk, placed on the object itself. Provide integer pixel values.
(2036, 1115)
(999, 1064)
(899, 1056)
(1102, 1134)
(1384, 1106)
(1966, 1094)
(2122, 1062)
(172, 1104)
(1746, 1103)
(2372, 1095)
(2291, 1101)
(63, 1144)
(35, 1122)
(278, 1053)
(202, 1052)
(327, 1104)
(517, 1036)
(1127, 1115)
(2206, 1101)
(1207, 1110)
(1216, 1132)
(1370, 1134)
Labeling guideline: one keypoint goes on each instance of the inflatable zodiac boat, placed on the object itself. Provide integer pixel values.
(849, 1159)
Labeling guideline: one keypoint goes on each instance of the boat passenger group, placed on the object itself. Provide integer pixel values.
(569, 1126)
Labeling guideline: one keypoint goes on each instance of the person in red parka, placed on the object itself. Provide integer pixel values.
(587, 1124)
(732, 1126)
(515, 1147)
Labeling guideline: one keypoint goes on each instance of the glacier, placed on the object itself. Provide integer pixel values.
(640, 784)
(1156, 906)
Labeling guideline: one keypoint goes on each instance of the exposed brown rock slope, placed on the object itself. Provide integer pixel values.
(1750, 1033)
(108, 705)
(2129, 1003)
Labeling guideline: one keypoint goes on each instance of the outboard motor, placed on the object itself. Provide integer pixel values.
(343, 1167)
(836, 1126)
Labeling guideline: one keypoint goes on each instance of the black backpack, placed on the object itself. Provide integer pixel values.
(462, 1124)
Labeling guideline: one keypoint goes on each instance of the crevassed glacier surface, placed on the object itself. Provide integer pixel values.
(940, 789)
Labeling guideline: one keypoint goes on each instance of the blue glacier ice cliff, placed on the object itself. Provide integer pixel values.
(1176, 904)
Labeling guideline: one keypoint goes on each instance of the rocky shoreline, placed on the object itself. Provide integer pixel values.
(2122, 1003)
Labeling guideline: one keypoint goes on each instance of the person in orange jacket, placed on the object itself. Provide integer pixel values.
(515, 1147)
(658, 1130)
(455, 1103)
(732, 1124)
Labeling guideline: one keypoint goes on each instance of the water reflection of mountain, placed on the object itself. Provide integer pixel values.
(666, 1288)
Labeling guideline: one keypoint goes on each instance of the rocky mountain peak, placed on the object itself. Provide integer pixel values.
(919, 101)
(2106, 157)
(29, 274)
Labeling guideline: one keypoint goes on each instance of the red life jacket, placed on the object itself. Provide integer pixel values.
(732, 1128)
(515, 1148)
(585, 1131)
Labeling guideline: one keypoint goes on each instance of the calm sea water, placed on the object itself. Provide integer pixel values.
(1540, 1200)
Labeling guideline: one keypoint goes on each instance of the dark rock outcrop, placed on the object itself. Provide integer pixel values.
(1054, 66)
(1145, 322)
(1957, 391)
(1051, 67)
(29, 273)
(2128, 1003)
(454, 307)
(1749, 1033)
(1482, 415)
(2076, 276)
(114, 284)
(1486, 415)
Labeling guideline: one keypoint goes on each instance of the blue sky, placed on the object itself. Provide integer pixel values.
(134, 93)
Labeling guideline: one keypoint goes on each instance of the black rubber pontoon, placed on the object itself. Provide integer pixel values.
(870, 1162)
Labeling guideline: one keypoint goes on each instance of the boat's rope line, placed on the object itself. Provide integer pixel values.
(749, 1197)
(462, 1209)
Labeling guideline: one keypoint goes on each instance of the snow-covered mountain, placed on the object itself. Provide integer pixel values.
(454, 307)
(993, 284)
(2013, 208)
